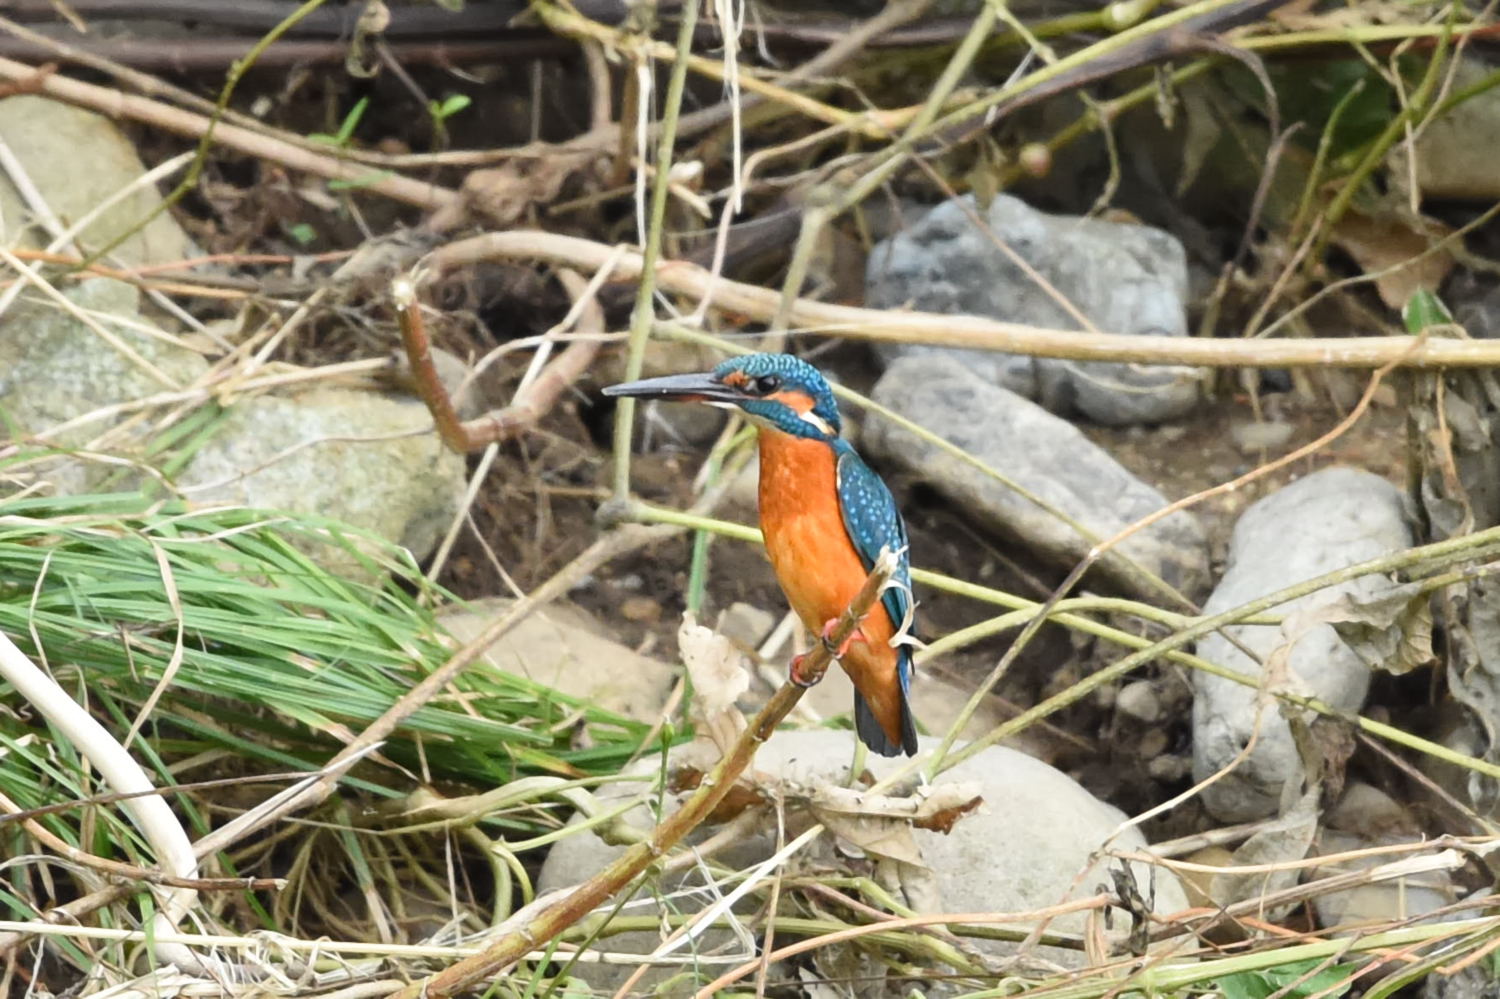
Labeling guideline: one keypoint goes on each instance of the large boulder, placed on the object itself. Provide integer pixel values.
(56, 367)
(76, 160)
(368, 459)
(1042, 453)
(364, 458)
(1328, 520)
(1124, 277)
(566, 648)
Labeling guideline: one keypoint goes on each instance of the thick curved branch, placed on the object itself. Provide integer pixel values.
(532, 401)
(975, 332)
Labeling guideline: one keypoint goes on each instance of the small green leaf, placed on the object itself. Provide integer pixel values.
(351, 120)
(346, 127)
(1423, 311)
(450, 105)
(1262, 984)
(303, 233)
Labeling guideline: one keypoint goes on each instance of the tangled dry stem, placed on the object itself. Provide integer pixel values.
(557, 916)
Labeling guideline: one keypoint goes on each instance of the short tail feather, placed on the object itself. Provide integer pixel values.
(873, 735)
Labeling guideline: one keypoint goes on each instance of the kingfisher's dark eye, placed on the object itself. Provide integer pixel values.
(766, 384)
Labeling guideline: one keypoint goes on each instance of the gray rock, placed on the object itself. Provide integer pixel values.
(1125, 278)
(1259, 435)
(746, 624)
(565, 648)
(936, 703)
(1368, 811)
(54, 368)
(77, 159)
(1041, 453)
(1450, 160)
(1330, 519)
(1389, 901)
(1028, 848)
(1473, 981)
(368, 460)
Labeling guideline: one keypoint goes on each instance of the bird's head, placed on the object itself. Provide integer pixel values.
(773, 390)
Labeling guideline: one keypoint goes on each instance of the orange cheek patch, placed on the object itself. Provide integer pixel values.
(736, 379)
(799, 402)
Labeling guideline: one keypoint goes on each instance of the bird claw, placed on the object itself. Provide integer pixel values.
(830, 628)
(834, 651)
(795, 674)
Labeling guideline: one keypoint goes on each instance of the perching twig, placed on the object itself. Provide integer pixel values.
(553, 919)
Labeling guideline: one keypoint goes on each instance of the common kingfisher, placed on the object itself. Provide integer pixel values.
(825, 516)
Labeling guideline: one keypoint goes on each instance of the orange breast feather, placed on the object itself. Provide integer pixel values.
(816, 563)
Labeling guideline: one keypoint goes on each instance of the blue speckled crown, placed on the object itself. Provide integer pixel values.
(796, 375)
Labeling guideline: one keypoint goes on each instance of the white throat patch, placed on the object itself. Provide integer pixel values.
(818, 422)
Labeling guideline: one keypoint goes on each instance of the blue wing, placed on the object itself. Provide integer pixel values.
(873, 522)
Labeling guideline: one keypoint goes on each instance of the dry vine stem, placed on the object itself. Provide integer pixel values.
(530, 403)
(164, 116)
(692, 281)
(583, 899)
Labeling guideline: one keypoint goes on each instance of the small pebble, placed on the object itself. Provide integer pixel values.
(642, 610)
(1138, 700)
(1261, 435)
(1153, 743)
(1168, 769)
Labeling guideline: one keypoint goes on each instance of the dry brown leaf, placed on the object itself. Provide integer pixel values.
(881, 824)
(737, 799)
(500, 196)
(718, 674)
(1390, 630)
(1380, 244)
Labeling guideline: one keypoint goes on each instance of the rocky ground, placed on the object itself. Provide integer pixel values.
(126, 387)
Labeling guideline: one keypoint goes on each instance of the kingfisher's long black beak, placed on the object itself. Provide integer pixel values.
(679, 388)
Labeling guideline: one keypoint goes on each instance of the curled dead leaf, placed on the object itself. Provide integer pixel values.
(739, 798)
(717, 671)
(1395, 251)
(1392, 631)
(1284, 841)
(882, 824)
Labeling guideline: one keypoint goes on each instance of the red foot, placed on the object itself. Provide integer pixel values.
(829, 628)
(796, 673)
